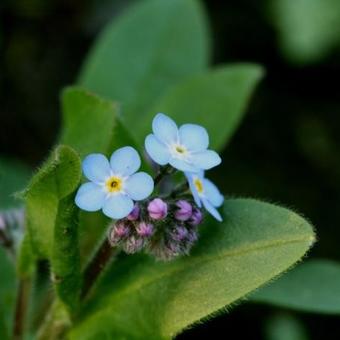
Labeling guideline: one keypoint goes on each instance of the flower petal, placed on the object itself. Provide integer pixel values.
(125, 161)
(139, 186)
(118, 206)
(194, 137)
(206, 159)
(165, 129)
(212, 193)
(96, 167)
(90, 197)
(212, 210)
(193, 189)
(157, 150)
(181, 165)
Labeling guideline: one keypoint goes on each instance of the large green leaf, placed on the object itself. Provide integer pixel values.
(313, 286)
(13, 177)
(7, 294)
(308, 29)
(216, 99)
(141, 298)
(57, 179)
(145, 51)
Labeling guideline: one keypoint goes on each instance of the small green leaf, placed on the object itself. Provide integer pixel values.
(313, 286)
(285, 327)
(142, 298)
(216, 99)
(141, 54)
(65, 259)
(58, 178)
(308, 29)
(13, 177)
(88, 121)
(7, 294)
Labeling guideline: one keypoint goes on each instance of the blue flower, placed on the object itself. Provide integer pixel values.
(205, 192)
(113, 185)
(185, 148)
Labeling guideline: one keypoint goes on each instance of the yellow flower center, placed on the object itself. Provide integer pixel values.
(114, 184)
(180, 149)
(199, 185)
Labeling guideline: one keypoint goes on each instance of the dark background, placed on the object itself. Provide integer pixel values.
(286, 150)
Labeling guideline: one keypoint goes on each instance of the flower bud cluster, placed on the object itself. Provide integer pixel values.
(164, 229)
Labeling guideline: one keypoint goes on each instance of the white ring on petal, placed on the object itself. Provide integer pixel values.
(125, 161)
(165, 129)
(139, 186)
(90, 197)
(206, 159)
(118, 206)
(96, 167)
(156, 150)
(194, 137)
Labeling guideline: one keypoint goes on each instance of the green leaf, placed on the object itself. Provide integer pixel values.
(142, 298)
(141, 54)
(313, 286)
(13, 177)
(308, 29)
(65, 260)
(216, 99)
(58, 178)
(88, 121)
(25, 258)
(7, 294)
(285, 327)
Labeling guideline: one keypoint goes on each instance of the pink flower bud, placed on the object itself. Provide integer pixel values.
(144, 229)
(134, 214)
(157, 209)
(196, 217)
(179, 233)
(119, 231)
(184, 210)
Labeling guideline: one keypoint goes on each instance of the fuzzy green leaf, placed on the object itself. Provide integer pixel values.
(313, 286)
(216, 99)
(65, 259)
(141, 54)
(142, 298)
(57, 179)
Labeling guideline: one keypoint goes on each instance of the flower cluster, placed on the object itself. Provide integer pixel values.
(166, 224)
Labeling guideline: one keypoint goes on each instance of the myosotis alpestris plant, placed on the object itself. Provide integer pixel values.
(153, 59)
(166, 224)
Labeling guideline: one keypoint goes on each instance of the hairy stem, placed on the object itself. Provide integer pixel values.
(102, 257)
(24, 290)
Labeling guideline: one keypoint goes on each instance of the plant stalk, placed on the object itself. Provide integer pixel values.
(102, 257)
(24, 290)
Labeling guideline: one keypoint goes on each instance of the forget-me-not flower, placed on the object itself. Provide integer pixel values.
(205, 192)
(113, 185)
(184, 148)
